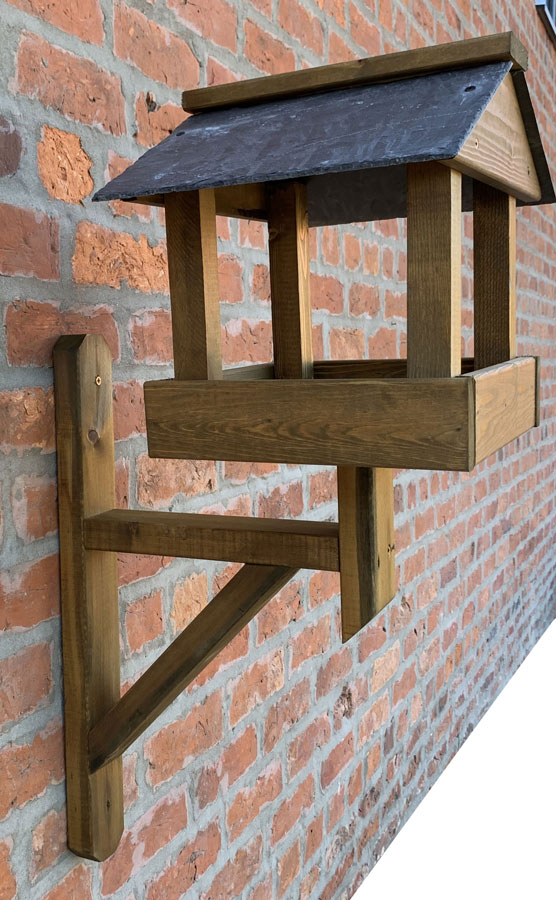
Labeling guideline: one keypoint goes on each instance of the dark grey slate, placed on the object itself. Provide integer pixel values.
(350, 145)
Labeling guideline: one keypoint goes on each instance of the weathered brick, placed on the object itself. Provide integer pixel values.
(29, 593)
(237, 873)
(190, 597)
(337, 760)
(230, 278)
(161, 480)
(10, 148)
(291, 810)
(8, 884)
(256, 684)
(144, 621)
(175, 745)
(193, 861)
(155, 121)
(284, 502)
(288, 868)
(30, 243)
(314, 834)
(29, 769)
(248, 803)
(32, 329)
(116, 165)
(106, 257)
(385, 667)
(76, 884)
(266, 52)
(347, 343)
(76, 87)
(374, 718)
(327, 293)
(246, 341)
(363, 300)
(215, 20)
(25, 682)
(301, 749)
(334, 671)
(299, 22)
(233, 762)
(34, 509)
(284, 714)
(313, 641)
(48, 841)
(85, 21)
(284, 608)
(159, 53)
(323, 586)
(322, 488)
(63, 165)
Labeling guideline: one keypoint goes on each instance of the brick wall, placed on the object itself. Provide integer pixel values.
(291, 763)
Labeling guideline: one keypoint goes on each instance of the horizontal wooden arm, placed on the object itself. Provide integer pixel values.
(209, 632)
(272, 542)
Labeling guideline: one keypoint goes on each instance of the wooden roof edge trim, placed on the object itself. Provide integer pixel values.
(505, 47)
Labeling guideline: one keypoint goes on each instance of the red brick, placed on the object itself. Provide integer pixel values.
(363, 32)
(337, 760)
(144, 621)
(347, 343)
(32, 329)
(236, 649)
(131, 790)
(216, 73)
(374, 719)
(30, 243)
(285, 501)
(246, 341)
(355, 784)
(230, 278)
(64, 166)
(106, 257)
(289, 709)
(395, 305)
(332, 888)
(175, 745)
(116, 165)
(161, 480)
(29, 593)
(405, 684)
(10, 148)
(338, 50)
(313, 641)
(288, 868)
(159, 53)
(76, 884)
(75, 87)
(190, 597)
(25, 682)
(233, 762)
(149, 834)
(327, 293)
(336, 808)
(150, 331)
(302, 748)
(313, 838)
(334, 671)
(85, 20)
(8, 884)
(385, 667)
(330, 245)
(129, 410)
(256, 684)
(267, 54)
(34, 510)
(48, 842)
(382, 345)
(133, 567)
(284, 608)
(237, 873)
(240, 472)
(301, 24)
(248, 803)
(322, 488)
(216, 20)
(323, 586)
(352, 251)
(363, 300)
(260, 282)
(291, 810)
(28, 769)
(193, 861)
(154, 121)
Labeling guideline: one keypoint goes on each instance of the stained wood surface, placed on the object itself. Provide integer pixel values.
(89, 583)
(276, 542)
(407, 424)
(494, 275)
(471, 52)
(497, 151)
(366, 528)
(339, 368)
(209, 632)
(288, 241)
(433, 271)
(505, 399)
(193, 272)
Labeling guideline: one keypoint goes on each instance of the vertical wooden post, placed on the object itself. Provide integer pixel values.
(494, 254)
(193, 272)
(433, 271)
(89, 582)
(288, 241)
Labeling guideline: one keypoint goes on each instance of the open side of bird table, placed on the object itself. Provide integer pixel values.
(423, 134)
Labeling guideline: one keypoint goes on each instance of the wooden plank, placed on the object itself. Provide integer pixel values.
(387, 422)
(339, 368)
(209, 632)
(89, 583)
(260, 371)
(240, 201)
(273, 542)
(505, 404)
(494, 276)
(404, 64)
(366, 520)
(288, 240)
(497, 151)
(193, 272)
(433, 271)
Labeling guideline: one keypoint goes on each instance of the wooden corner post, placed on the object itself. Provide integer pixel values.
(89, 583)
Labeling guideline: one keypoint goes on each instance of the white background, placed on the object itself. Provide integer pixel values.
(486, 830)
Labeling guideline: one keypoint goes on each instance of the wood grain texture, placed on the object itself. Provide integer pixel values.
(274, 542)
(288, 242)
(339, 368)
(456, 54)
(89, 583)
(497, 151)
(209, 632)
(241, 201)
(193, 272)
(398, 423)
(433, 271)
(505, 404)
(494, 276)
(366, 527)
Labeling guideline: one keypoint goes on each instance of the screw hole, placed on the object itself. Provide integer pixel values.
(98, 381)
(471, 87)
